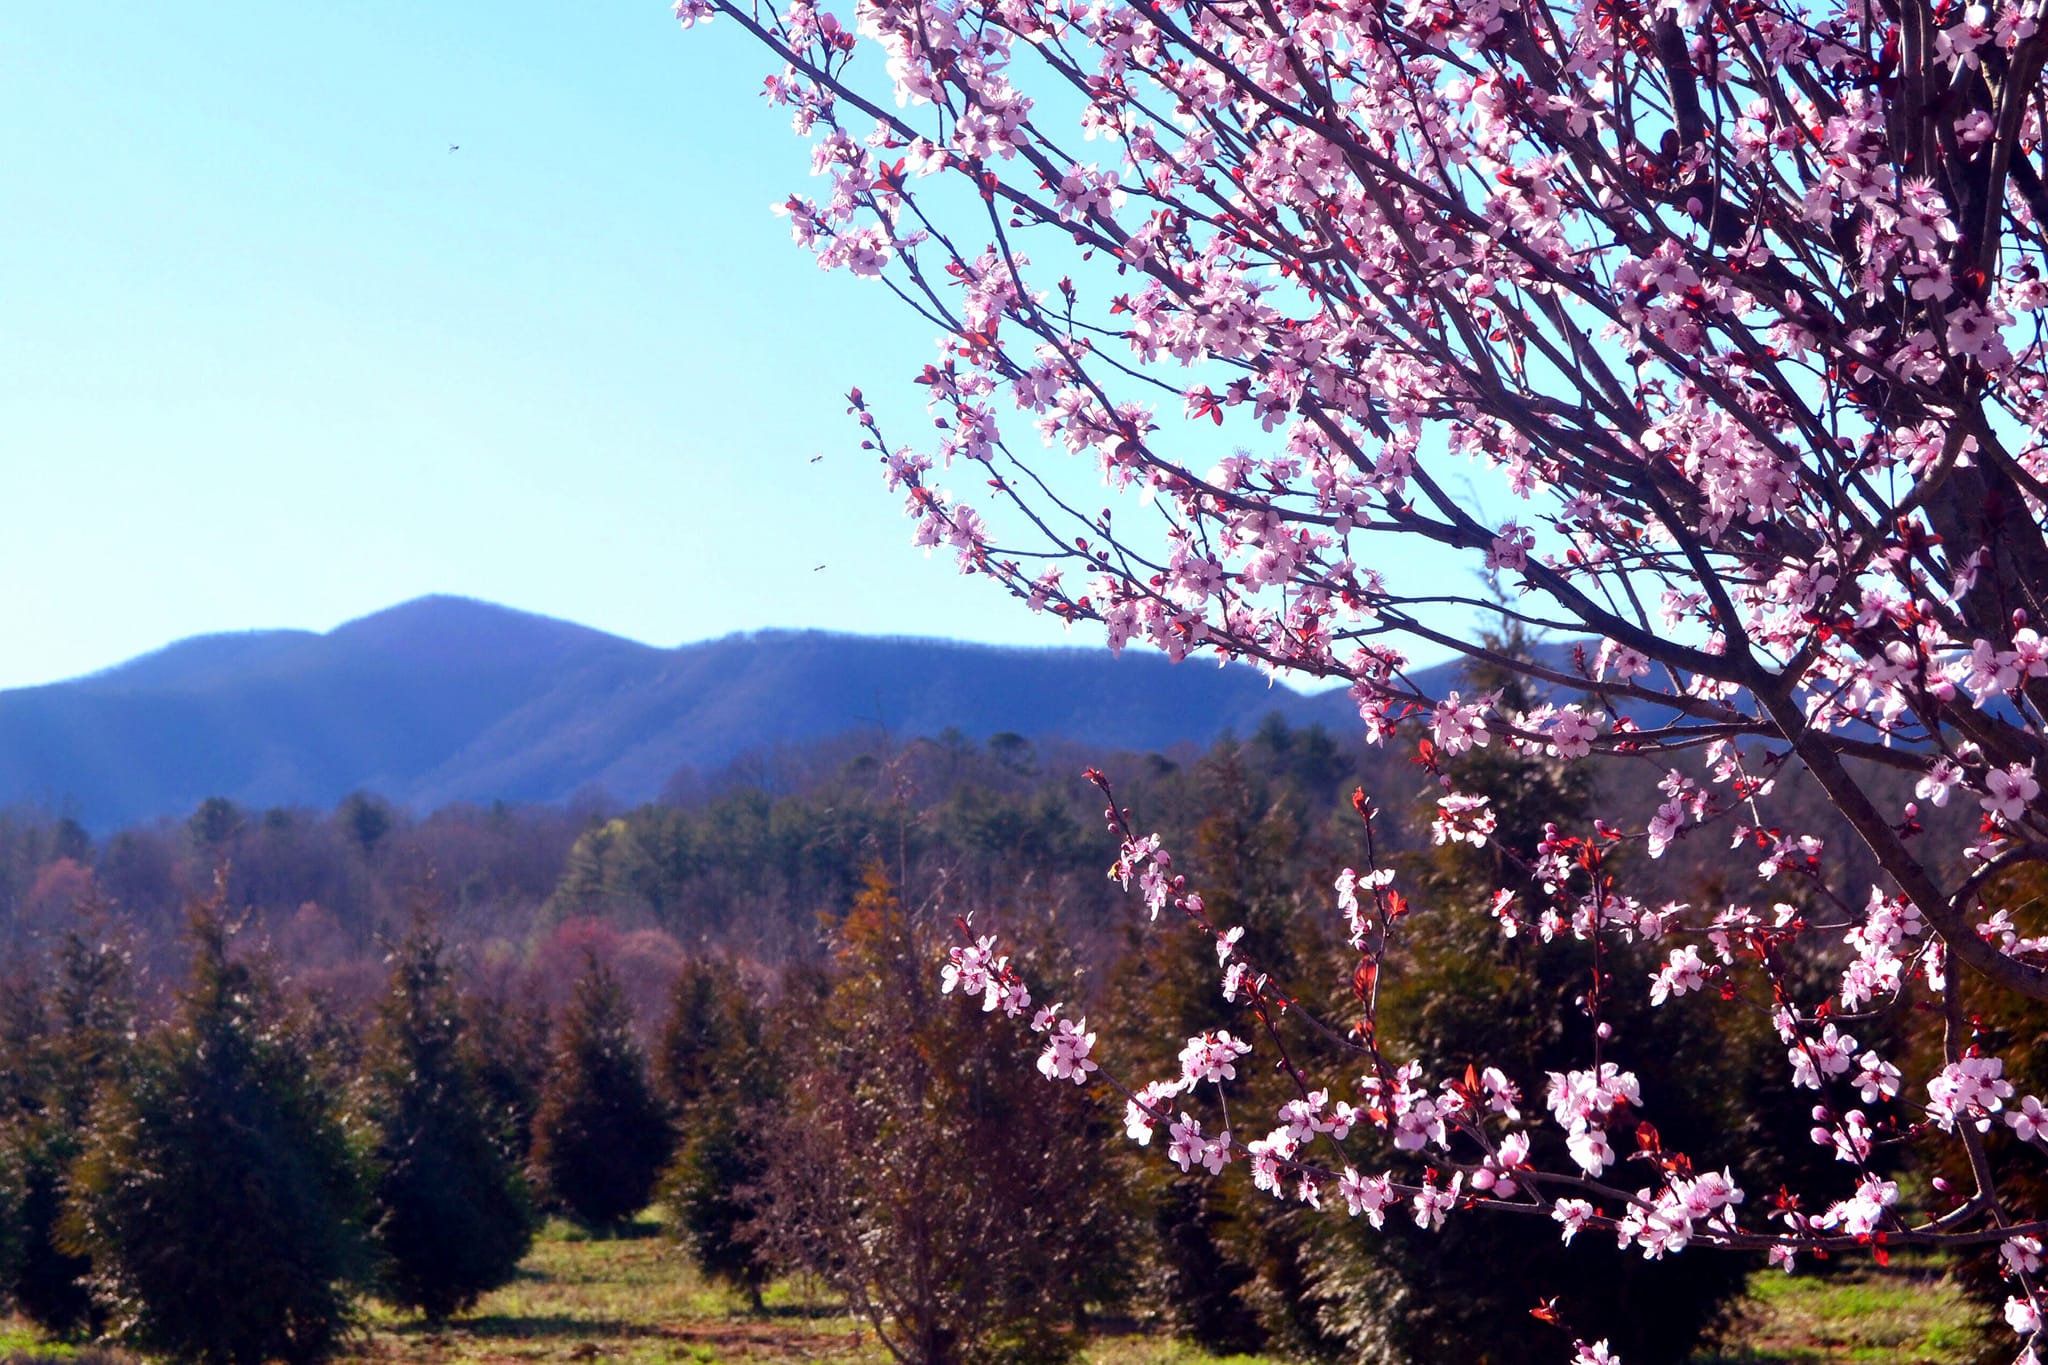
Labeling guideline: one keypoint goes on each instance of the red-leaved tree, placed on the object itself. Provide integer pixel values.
(1712, 328)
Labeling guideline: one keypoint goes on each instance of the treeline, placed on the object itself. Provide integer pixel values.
(743, 862)
(311, 1057)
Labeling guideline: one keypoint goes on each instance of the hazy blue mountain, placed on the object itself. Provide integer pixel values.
(447, 699)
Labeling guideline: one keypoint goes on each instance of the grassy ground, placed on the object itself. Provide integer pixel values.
(636, 1302)
(1899, 1317)
(633, 1300)
(629, 1300)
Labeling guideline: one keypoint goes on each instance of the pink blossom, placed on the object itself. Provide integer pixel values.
(2009, 791)
(1459, 726)
(1463, 820)
(1510, 549)
(1682, 973)
(1664, 826)
(1188, 1148)
(1591, 1150)
(1502, 1095)
(1817, 1059)
(968, 968)
(1368, 1195)
(1877, 1080)
(1941, 779)
(1432, 1204)
(1743, 411)
(1141, 1109)
(1065, 1057)
(1572, 1214)
(1211, 1057)
(1970, 1089)
(1860, 1214)
(1571, 733)
(977, 969)
(2028, 1119)
(1268, 1156)
(2020, 1255)
(1496, 1175)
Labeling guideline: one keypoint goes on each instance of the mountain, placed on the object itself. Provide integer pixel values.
(448, 699)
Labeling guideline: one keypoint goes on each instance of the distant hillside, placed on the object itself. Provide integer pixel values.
(447, 699)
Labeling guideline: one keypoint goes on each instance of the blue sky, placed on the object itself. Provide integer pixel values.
(274, 356)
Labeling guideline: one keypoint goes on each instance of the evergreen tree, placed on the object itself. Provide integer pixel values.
(1224, 1259)
(602, 1135)
(717, 1073)
(505, 1039)
(218, 1195)
(711, 1026)
(923, 1170)
(451, 1214)
(24, 1025)
(24, 1037)
(78, 1040)
(1455, 988)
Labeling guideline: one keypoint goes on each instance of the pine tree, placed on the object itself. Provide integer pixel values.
(85, 1018)
(452, 1218)
(1456, 989)
(717, 1073)
(1224, 1259)
(602, 1135)
(505, 1038)
(218, 1196)
(921, 1168)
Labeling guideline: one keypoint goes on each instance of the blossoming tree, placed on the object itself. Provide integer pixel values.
(1736, 303)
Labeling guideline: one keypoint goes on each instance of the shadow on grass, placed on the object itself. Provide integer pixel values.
(639, 1230)
(527, 1327)
(792, 1312)
(560, 1326)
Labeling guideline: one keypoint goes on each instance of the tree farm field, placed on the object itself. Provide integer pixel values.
(634, 1299)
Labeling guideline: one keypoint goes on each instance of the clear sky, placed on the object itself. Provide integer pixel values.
(272, 355)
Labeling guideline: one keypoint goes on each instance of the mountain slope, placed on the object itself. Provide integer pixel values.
(445, 699)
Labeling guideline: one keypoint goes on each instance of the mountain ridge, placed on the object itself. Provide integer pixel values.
(443, 699)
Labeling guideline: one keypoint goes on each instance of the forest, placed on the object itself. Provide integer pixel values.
(418, 1035)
